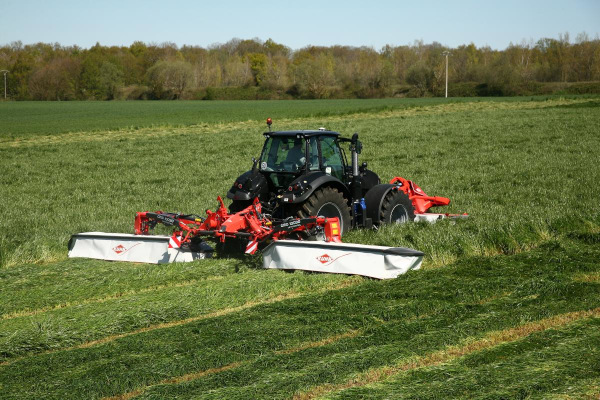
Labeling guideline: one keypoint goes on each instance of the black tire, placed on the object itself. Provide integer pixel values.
(397, 208)
(327, 202)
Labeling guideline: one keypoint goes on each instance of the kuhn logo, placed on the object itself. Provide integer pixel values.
(324, 259)
(119, 249)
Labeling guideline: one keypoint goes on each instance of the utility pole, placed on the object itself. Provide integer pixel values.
(4, 72)
(446, 53)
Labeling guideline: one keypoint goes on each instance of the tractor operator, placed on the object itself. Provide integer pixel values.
(296, 154)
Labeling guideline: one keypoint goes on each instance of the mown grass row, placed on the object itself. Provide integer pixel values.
(32, 287)
(559, 363)
(416, 315)
(78, 322)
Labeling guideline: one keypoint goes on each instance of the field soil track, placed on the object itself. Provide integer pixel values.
(506, 305)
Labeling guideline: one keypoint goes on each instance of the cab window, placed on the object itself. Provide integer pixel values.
(313, 155)
(283, 154)
(331, 156)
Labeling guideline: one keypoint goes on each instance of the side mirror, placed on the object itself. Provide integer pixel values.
(356, 146)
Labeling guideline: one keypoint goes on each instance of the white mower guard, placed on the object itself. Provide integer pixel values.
(153, 249)
(341, 258)
(432, 218)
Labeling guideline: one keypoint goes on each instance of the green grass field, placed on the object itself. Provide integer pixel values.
(43, 118)
(23, 119)
(507, 304)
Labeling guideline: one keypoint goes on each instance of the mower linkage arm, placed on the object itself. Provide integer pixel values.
(249, 223)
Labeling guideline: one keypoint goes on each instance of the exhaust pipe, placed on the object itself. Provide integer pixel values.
(359, 208)
(355, 147)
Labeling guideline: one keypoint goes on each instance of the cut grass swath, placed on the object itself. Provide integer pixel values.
(451, 353)
(445, 303)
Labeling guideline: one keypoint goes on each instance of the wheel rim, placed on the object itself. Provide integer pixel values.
(331, 210)
(399, 215)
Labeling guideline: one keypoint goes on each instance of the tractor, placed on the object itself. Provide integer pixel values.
(301, 189)
(305, 173)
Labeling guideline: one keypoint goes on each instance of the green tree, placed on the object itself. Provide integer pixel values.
(258, 66)
(56, 80)
(421, 77)
(110, 80)
(237, 72)
(373, 73)
(89, 78)
(170, 79)
(277, 73)
(20, 72)
(275, 49)
(138, 49)
(315, 75)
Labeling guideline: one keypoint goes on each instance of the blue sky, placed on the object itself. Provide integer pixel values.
(295, 23)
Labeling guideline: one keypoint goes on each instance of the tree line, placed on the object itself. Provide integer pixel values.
(266, 69)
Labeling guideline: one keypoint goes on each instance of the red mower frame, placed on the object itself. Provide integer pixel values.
(250, 224)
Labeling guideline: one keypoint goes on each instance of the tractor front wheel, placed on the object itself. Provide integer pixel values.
(397, 208)
(327, 202)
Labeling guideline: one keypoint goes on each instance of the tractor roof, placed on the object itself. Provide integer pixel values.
(308, 133)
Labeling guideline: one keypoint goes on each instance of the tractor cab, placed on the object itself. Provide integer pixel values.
(289, 154)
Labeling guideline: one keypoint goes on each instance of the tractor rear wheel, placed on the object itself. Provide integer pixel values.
(397, 208)
(327, 202)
